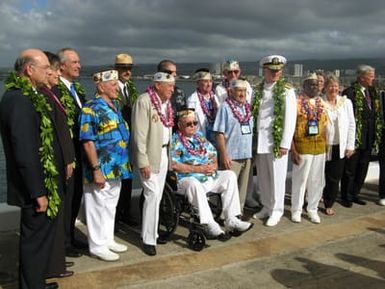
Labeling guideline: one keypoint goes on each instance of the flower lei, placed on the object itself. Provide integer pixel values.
(279, 107)
(241, 118)
(167, 121)
(46, 152)
(358, 109)
(196, 152)
(312, 114)
(209, 113)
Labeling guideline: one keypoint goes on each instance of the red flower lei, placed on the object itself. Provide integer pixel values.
(210, 114)
(196, 152)
(237, 114)
(312, 113)
(167, 121)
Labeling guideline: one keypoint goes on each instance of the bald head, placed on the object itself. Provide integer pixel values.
(33, 64)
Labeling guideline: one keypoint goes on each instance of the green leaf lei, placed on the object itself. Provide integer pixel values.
(132, 91)
(69, 105)
(46, 152)
(358, 109)
(279, 106)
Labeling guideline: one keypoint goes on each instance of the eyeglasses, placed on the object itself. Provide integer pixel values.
(233, 71)
(191, 123)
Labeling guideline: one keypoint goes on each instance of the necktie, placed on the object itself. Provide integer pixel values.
(125, 92)
(73, 91)
(367, 98)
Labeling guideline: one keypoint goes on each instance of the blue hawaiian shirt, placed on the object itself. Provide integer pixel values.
(180, 154)
(238, 136)
(109, 132)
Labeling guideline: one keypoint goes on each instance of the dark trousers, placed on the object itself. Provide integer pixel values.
(356, 168)
(56, 262)
(334, 170)
(73, 200)
(381, 161)
(37, 233)
(124, 203)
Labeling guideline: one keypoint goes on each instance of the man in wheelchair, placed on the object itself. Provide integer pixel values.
(194, 159)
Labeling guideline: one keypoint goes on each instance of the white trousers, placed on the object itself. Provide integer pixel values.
(153, 191)
(271, 180)
(100, 208)
(308, 175)
(225, 184)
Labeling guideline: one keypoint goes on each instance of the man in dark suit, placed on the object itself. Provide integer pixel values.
(21, 111)
(72, 96)
(362, 95)
(127, 96)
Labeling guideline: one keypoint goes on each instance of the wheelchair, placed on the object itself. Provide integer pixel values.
(175, 209)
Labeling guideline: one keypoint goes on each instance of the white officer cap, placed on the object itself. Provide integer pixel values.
(273, 62)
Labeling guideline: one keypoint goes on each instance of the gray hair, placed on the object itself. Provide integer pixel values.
(61, 54)
(331, 78)
(364, 69)
(21, 62)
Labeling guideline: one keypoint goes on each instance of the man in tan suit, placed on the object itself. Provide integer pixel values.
(152, 121)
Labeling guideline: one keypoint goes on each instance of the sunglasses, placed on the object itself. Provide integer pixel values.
(233, 71)
(191, 123)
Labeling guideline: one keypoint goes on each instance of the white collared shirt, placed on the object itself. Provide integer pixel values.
(68, 83)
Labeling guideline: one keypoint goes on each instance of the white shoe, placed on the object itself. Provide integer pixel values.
(238, 225)
(314, 218)
(117, 248)
(381, 202)
(213, 230)
(296, 217)
(106, 255)
(262, 214)
(272, 221)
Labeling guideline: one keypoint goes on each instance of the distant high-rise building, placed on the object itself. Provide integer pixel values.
(298, 70)
(337, 72)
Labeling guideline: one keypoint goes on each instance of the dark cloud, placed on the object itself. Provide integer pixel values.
(194, 31)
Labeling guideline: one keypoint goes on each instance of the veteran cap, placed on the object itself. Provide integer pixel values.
(202, 74)
(163, 77)
(311, 76)
(230, 65)
(273, 62)
(123, 60)
(238, 83)
(105, 75)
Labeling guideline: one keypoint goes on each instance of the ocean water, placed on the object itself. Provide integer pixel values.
(187, 86)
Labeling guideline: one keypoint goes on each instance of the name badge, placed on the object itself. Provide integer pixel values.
(245, 128)
(312, 128)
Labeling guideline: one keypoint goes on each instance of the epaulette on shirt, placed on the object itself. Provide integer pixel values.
(288, 85)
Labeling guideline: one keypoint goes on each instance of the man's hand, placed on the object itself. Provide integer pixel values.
(99, 179)
(296, 159)
(41, 204)
(69, 171)
(145, 172)
(208, 169)
(349, 153)
(282, 152)
(226, 161)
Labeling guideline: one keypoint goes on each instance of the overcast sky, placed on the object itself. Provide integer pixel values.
(194, 30)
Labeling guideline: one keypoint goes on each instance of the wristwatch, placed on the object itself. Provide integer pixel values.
(95, 168)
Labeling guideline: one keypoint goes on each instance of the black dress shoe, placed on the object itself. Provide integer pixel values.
(161, 241)
(346, 203)
(69, 264)
(51, 285)
(79, 245)
(67, 273)
(72, 252)
(359, 201)
(149, 249)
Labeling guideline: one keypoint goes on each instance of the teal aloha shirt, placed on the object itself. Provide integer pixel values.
(180, 154)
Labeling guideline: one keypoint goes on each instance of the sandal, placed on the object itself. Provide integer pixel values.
(329, 211)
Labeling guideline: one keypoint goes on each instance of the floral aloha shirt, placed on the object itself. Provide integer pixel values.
(109, 132)
(180, 154)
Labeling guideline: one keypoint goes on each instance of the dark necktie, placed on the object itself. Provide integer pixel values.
(367, 98)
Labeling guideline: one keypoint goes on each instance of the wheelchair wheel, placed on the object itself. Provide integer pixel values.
(196, 240)
(168, 214)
